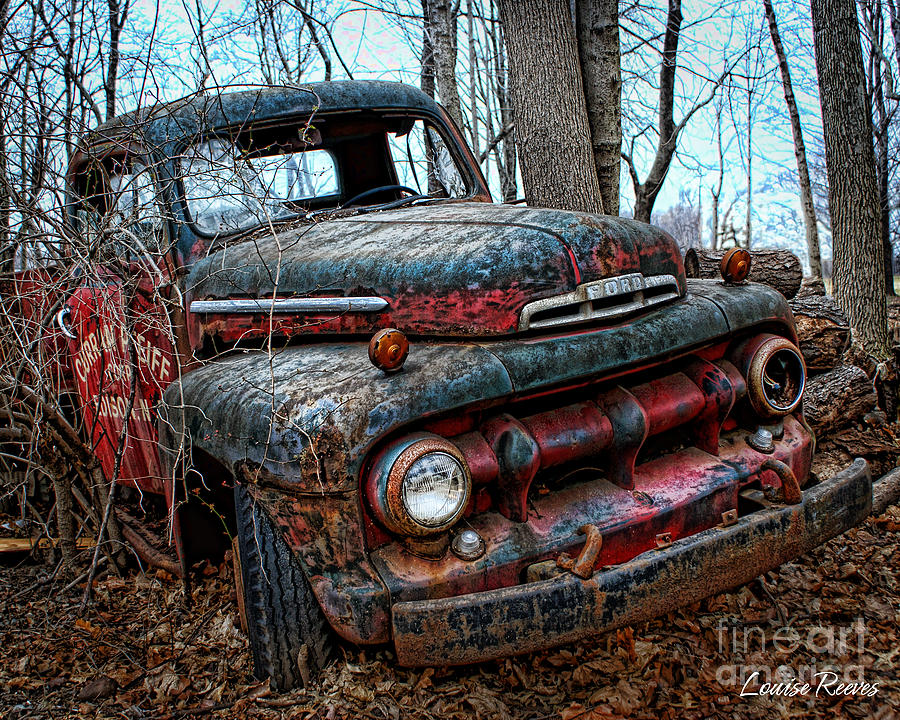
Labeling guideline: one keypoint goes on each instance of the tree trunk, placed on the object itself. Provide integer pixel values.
(716, 190)
(850, 160)
(597, 29)
(505, 150)
(780, 269)
(895, 33)
(645, 193)
(748, 224)
(823, 331)
(473, 84)
(440, 21)
(882, 124)
(426, 80)
(838, 399)
(117, 17)
(812, 287)
(65, 521)
(806, 197)
(552, 130)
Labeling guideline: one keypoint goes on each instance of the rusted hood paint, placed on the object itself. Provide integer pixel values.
(461, 269)
(309, 415)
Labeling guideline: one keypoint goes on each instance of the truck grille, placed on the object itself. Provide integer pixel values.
(600, 300)
(509, 452)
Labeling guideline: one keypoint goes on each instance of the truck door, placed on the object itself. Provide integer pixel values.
(121, 340)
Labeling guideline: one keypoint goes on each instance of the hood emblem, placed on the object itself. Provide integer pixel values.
(600, 300)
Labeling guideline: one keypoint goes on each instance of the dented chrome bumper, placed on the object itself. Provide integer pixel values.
(508, 621)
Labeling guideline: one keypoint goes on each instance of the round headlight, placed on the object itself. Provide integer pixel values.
(434, 490)
(419, 485)
(776, 377)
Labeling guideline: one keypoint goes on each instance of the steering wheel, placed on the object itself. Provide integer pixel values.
(379, 189)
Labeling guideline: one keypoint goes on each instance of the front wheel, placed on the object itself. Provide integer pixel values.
(290, 639)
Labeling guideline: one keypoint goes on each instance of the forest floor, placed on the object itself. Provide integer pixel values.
(138, 652)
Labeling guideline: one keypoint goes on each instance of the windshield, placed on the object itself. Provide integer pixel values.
(227, 191)
(261, 175)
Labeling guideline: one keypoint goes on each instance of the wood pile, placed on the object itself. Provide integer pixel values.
(839, 394)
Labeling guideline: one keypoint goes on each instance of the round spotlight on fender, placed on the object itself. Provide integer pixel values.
(419, 486)
(388, 350)
(776, 377)
(735, 265)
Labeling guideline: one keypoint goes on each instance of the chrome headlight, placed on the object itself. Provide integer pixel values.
(419, 485)
(776, 375)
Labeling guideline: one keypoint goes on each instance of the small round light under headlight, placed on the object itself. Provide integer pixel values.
(467, 545)
(776, 377)
(434, 489)
(419, 485)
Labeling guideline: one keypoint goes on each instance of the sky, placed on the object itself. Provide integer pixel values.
(715, 37)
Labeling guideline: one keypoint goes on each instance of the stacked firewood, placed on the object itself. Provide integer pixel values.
(839, 393)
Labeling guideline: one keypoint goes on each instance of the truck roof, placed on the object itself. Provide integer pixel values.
(165, 123)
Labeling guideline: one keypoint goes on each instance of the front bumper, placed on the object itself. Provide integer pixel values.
(524, 618)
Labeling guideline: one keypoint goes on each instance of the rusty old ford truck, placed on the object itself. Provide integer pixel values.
(459, 429)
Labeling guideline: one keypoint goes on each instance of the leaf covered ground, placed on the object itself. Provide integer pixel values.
(139, 652)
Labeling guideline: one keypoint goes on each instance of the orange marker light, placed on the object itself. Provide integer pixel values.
(735, 265)
(388, 349)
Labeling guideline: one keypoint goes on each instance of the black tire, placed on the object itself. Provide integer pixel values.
(283, 616)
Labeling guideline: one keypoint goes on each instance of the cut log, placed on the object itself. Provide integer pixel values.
(780, 269)
(894, 322)
(838, 399)
(16, 545)
(811, 286)
(885, 492)
(823, 331)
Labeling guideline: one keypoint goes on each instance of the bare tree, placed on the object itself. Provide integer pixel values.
(715, 190)
(806, 197)
(426, 81)
(880, 86)
(118, 15)
(502, 143)
(441, 25)
(852, 189)
(646, 192)
(682, 221)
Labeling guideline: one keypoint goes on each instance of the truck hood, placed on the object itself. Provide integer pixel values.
(455, 269)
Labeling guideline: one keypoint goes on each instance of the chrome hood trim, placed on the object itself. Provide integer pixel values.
(309, 306)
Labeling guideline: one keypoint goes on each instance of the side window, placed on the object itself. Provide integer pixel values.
(423, 162)
(135, 209)
(119, 211)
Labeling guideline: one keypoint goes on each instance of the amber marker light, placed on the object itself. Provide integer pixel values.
(735, 266)
(388, 349)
